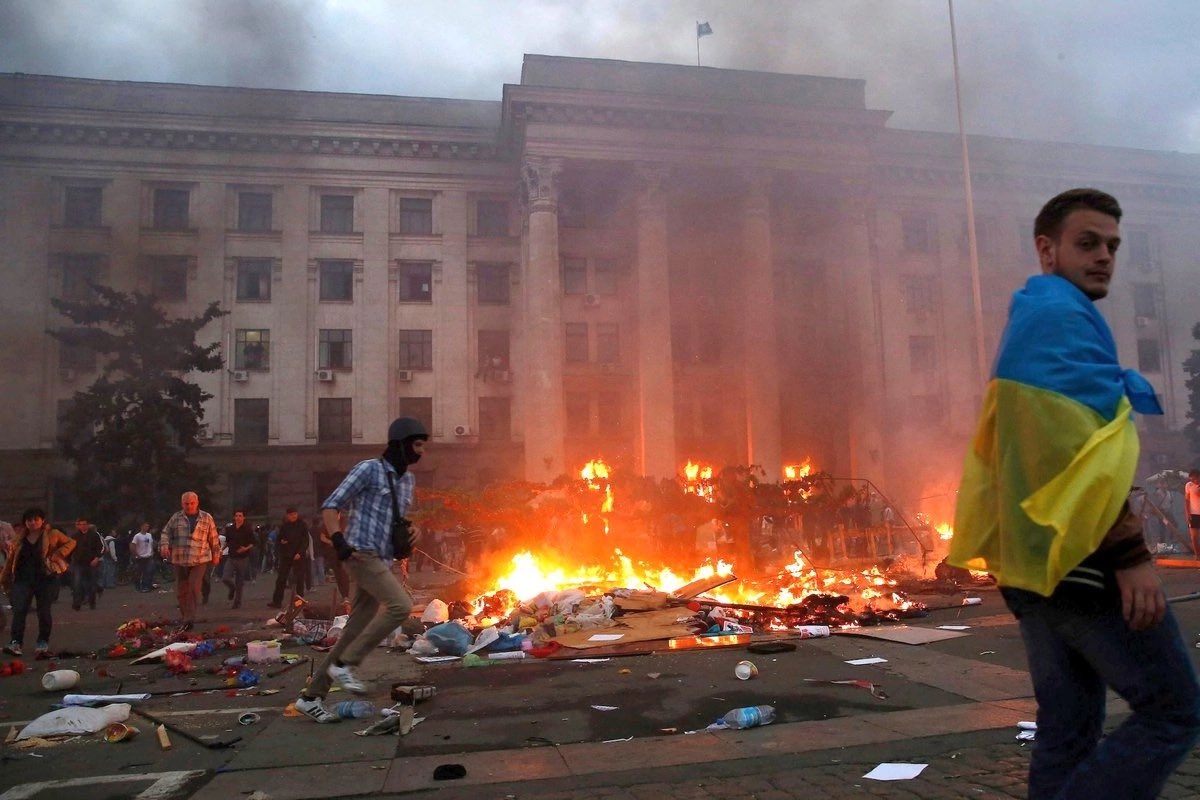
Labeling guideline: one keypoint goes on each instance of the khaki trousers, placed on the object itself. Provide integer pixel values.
(378, 606)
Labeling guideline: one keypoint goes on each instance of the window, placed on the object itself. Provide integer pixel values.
(334, 348)
(917, 230)
(608, 342)
(416, 349)
(1144, 301)
(337, 213)
(337, 280)
(605, 276)
(333, 419)
(79, 270)
(576, 343)
(608, 408)
(81, 208)
(73, 353)
(579, 414)
(919, 293)
(169, 278)
(574, 275)
(1136, 248)
(495, 418)
(254, 211)
(1149, 355)
(419, 408)
(493, 353)
(252, 348)
(416, 216)
(491, 218)
(493, 283)
(253, 280)
(250, 418)
(416, 281)
(171, 208)
(922, 353)
(248, 491)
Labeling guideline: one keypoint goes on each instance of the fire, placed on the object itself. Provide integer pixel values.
(530, 574)
(945, 531)
(794, 472)
(596, 474)
(698, 480)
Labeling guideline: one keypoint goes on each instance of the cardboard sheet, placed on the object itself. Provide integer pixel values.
(701, 585)
(642, 627)
(903, 634)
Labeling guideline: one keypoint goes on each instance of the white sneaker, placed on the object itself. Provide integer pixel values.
(315, 709)
(344, 678)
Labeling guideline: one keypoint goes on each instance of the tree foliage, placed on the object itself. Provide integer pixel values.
(131, 433)
(1192, 367)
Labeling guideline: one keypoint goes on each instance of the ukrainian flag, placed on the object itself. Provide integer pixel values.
(1054, 455)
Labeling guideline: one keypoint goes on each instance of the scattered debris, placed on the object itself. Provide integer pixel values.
(895, 772)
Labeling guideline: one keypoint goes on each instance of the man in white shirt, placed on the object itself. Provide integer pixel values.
(1191, 505)
(142, 546)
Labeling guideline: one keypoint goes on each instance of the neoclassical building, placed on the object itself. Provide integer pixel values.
(644, 263)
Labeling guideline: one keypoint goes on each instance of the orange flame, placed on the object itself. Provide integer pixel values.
(596, 474)
(698, 480)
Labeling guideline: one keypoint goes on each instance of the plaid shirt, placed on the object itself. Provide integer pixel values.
(367, 500)
(188, 547)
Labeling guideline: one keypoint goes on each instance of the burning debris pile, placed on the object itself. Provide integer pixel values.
(591, 553)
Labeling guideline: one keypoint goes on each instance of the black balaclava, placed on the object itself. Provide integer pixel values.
(401, 453)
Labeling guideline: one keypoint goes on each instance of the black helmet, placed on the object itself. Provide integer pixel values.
(405, 427)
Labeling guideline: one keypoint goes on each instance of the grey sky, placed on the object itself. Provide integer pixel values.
(1096, 71)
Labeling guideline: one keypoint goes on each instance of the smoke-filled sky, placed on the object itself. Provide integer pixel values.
(1097, 71)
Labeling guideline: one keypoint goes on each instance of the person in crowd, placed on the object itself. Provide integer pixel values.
(191, 543)
(36, 557)
(292, 551)
(108, 562)
(376, 496)
(271, 551)
(316, 552)
(141, 548)
(340, 576)
(1043, 507)
(124, 558)
(239, 542)
(1191, 496)
(85, 564)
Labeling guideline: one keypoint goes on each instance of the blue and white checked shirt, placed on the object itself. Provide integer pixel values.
(367, 501)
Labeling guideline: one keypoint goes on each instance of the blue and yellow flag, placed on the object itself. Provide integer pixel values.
(1054, 455)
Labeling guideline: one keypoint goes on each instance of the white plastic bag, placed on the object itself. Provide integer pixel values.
(75, 720)
(436, 611)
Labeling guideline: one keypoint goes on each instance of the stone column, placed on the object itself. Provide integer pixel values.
(759, 339)
(541, 380)
(656, 379)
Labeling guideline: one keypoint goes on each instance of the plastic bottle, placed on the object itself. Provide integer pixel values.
(750, 716)
(354, 709)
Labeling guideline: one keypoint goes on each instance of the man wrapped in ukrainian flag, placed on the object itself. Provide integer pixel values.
(1043, 507)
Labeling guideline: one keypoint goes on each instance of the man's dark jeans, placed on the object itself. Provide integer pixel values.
(1078, 644)
(22, 597)
(85, 580)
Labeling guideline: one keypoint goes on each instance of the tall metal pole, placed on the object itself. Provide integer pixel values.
(697, 43)
(972, 242)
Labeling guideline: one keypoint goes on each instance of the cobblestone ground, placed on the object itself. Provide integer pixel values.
(996, 771)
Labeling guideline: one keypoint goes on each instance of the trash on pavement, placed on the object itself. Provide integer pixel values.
(1026, 731)
(119, 732)
(164, 741)
(895, 772)
(406, 693)
(75, 720)
(875, 689)
(745, 670)
(449, 772)
(606, 708)
(59, 679)
(249, 718)
(862, 662)
(262, 652)
(103, 699)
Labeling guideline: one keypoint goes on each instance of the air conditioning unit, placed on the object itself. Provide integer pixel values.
(404, 375)
(240, 375)
(591, 301)
(1142, 321)
(462, 430)
(325, 375)
(204, 433)
(66, 374)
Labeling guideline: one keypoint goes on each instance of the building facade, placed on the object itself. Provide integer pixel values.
(638, 262)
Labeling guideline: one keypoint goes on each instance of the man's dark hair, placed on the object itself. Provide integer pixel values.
(240, 511)
(81, 519)
(33, 513)
(1050, 219)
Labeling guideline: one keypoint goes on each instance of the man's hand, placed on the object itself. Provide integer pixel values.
(296, 557)
(94, 562)
(1143, 603)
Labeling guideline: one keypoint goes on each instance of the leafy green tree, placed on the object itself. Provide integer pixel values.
(1192, 367)
(130, 435)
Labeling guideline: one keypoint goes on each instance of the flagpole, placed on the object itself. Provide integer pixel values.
(697, 43)
(972, 241)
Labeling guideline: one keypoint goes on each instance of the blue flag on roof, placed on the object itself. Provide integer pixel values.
(703, 29)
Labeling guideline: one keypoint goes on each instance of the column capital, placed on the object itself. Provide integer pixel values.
(540, 183)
